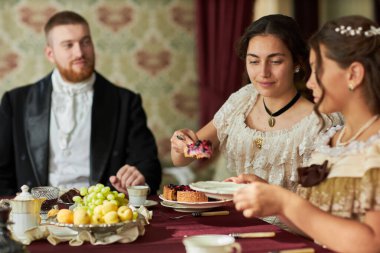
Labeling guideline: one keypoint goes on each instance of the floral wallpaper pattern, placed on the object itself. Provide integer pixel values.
(147, 46)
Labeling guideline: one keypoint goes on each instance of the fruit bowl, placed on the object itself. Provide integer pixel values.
(95, 228)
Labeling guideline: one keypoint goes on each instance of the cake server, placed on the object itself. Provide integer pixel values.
(300, 250)
(198, 214)
(253, 235)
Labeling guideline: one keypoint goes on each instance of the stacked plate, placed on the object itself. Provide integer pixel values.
(221, 194)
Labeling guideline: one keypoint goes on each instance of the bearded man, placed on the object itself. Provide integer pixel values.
(74, 128)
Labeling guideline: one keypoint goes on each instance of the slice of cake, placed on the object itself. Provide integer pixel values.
(191, 196)
(199, 149)
(170, 192)
(183, 193)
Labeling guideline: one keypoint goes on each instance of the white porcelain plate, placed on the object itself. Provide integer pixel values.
(193, 206)
(186, 209)
(216, 189)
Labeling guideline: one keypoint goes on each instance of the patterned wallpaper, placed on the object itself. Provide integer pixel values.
(147, 46)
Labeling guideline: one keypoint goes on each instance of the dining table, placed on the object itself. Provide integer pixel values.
(164, 234)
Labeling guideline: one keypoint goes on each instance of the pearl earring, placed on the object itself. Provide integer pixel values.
(351, 87)
(297, 69)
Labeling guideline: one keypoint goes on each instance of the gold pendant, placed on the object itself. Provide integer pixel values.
(271, 121)
(259, 143)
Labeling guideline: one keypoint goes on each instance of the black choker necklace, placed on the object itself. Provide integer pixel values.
(272, 120)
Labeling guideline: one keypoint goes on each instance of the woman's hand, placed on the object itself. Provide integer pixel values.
(260, 199)
(245, 179)
(179, 140)
(183, 137)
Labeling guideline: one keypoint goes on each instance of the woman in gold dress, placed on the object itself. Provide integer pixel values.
(338, 201)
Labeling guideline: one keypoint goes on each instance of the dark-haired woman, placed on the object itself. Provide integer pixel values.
(266, 129)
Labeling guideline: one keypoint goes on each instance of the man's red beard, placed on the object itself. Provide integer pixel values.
(75, 77)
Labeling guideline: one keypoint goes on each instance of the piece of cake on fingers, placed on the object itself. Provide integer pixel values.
(199, 150)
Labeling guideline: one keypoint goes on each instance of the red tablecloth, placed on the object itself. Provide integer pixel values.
(165, 235)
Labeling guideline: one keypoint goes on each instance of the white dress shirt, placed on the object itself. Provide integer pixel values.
(70, 132)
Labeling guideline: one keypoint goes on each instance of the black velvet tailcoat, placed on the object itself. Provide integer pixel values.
(119, 136)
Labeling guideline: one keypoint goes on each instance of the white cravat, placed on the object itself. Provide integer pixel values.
(64, 107)
(70, 130)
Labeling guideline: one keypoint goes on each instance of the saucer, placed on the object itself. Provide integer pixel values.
(148, 203)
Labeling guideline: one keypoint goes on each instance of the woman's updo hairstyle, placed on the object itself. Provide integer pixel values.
(351, 39)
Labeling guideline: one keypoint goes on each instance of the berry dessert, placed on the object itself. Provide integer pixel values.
(183, 193)
(199, 149)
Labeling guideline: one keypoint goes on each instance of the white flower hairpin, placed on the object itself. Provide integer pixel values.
(372, 32)
(349, 31)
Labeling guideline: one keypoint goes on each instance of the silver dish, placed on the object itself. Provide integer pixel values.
(95, 228)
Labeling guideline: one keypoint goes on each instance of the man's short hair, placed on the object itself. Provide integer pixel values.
(64, 18)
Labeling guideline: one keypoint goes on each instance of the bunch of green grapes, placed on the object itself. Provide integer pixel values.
(98, 194)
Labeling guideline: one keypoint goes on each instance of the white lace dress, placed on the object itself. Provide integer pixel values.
(282, 151)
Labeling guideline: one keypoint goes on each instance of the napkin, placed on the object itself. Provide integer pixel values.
(57, 234)
(148, 215)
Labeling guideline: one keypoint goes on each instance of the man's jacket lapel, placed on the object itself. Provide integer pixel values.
(37, 121)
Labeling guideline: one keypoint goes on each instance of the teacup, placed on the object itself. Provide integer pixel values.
(211, 244)
(137, 194)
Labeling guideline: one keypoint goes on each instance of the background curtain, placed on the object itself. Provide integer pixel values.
(306, 13)
(219, 25)
(376, 4)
